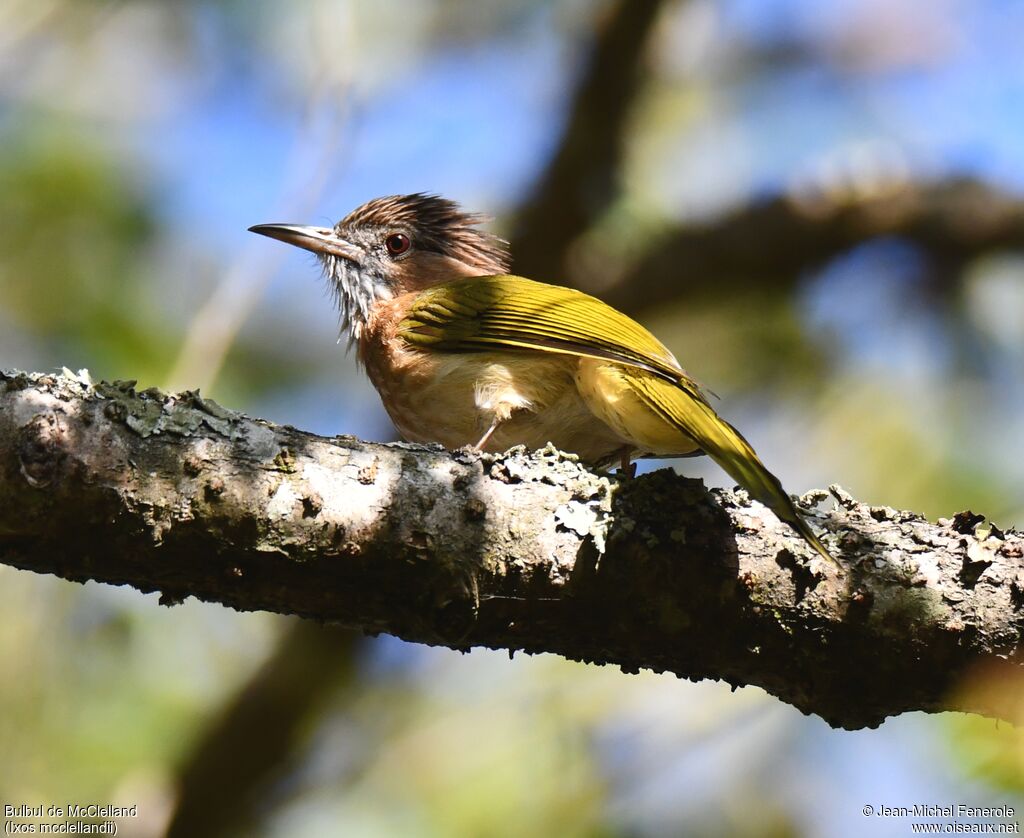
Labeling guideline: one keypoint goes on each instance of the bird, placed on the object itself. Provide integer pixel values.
(463, 353)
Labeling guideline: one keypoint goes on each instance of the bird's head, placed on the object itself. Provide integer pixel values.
(391, 246)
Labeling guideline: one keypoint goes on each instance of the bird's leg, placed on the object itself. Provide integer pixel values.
(483, 440)
(626, 468)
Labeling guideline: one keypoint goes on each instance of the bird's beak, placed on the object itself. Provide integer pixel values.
(319, 240)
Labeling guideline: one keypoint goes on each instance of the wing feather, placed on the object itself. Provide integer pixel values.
(515, 313)
(518, 313)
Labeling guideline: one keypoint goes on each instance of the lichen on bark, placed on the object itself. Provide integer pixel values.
(521, 551)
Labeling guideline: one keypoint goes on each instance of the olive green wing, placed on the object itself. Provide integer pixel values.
(510, 312)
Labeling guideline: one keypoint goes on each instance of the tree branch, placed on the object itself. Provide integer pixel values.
(178, 495)
(580, 180)
(775, 243)
(228, 777)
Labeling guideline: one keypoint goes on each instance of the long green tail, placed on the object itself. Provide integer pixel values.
(727, 447)
(685, 406)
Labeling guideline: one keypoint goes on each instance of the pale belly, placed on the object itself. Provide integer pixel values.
(533, 399)
(454, 399)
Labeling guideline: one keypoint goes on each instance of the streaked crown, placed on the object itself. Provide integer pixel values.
(433, 224)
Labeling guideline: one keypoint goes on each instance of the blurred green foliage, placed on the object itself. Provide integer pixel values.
(76, 229)
(104, 694)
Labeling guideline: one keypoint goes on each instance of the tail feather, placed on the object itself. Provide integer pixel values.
(684, 407)
(727, 447)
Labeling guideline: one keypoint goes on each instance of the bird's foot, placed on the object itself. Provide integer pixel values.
(479, 447)
(627, 469)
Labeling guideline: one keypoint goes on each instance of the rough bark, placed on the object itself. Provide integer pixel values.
(173, 493)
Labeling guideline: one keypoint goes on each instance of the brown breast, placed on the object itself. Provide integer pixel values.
(452, 397)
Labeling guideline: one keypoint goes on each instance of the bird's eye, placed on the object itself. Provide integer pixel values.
(397, 243)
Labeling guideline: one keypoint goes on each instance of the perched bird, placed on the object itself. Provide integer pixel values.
(462, 353)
